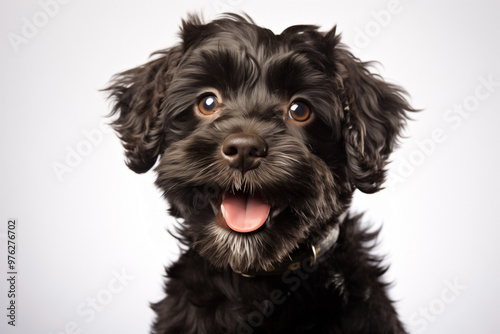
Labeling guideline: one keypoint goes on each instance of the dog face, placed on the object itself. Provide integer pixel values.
(261, 138)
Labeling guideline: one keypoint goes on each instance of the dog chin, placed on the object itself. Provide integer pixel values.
(224, 247)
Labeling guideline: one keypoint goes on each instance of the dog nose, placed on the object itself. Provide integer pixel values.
(244, 151)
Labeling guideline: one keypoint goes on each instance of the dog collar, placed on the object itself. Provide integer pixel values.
(313, 252)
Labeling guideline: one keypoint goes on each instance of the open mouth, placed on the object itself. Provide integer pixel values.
(242, 212)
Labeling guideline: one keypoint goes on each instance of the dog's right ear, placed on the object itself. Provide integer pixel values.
(137, 95)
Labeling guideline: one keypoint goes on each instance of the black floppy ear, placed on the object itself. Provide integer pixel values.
(375, 113)
(137, 95)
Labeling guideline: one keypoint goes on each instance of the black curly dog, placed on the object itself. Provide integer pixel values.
(261, 140)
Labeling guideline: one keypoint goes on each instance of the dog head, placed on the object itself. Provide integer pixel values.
(261, 138)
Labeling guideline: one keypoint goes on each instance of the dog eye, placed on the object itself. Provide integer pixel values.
(299, 111)
(208, 105)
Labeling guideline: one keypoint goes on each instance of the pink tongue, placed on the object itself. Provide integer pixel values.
(244, 213)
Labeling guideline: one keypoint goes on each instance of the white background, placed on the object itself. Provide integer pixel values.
(79, 230)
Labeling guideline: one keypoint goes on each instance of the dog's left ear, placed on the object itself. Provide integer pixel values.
(137, 95)
(375, 112)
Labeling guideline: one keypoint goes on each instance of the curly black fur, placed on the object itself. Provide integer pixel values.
(308, 175)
